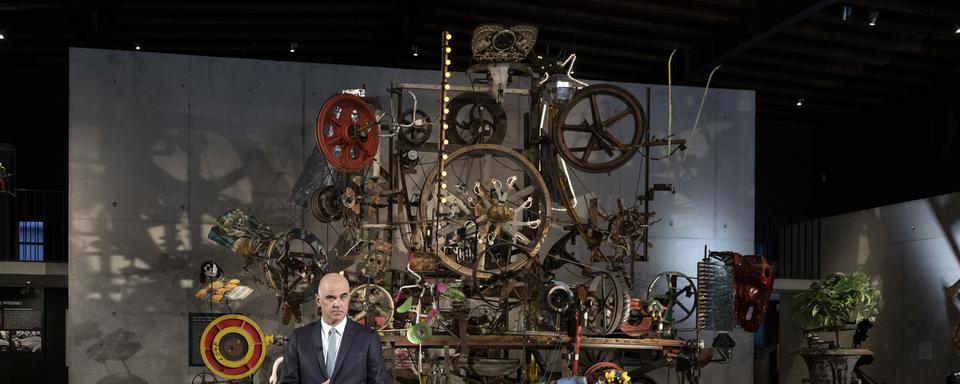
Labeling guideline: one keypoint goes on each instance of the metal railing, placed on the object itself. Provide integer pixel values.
(792, 242)
(33, 225)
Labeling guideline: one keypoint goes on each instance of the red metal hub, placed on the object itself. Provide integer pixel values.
(347, 132)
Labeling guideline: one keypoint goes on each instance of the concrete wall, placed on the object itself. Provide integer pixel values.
(160, 145)
(912, 249)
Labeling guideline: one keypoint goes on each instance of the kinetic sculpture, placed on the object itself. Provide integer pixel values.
(467, 216)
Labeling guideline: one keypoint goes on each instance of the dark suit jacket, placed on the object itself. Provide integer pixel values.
(359, 360)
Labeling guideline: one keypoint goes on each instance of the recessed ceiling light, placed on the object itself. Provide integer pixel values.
(956, 29)
(136, 45)
(293, 46)
(800, 102)
(415, 50)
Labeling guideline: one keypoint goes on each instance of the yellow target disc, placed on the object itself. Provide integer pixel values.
(233, 346)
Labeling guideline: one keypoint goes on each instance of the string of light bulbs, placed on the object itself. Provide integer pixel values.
(444, 111)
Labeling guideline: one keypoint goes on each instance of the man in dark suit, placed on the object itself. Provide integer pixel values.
(334, 349)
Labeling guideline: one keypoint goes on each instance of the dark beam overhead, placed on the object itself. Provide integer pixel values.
(772, 17)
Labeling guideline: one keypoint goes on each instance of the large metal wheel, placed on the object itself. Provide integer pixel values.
(476, 118)
(372, 301)
(417, 128)
(347, 132)
(325, 204)
(608, 304)
(678, 294)
(600, 129)
(493, 195)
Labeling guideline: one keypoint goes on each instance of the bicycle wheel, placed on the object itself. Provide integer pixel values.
(494, 196)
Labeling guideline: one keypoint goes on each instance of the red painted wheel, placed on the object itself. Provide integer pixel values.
(596, 371)
(233, 346)
(347, 132)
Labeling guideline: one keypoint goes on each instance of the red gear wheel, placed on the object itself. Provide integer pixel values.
(347, 132)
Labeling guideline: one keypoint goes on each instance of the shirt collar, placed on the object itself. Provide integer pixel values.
(340, 327)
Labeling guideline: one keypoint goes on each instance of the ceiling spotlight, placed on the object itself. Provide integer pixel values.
(800, 102)
(956, 29)
(136, 45)
(415, 50)
(846, 12)
(293, 46)
(3, 32)
(872, 17)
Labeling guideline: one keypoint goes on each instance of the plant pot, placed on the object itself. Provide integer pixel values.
(828, 366)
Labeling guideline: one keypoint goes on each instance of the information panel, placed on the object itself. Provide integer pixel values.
(21, 319)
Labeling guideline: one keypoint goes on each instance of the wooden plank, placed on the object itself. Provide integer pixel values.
(482, 88)
(548, 341)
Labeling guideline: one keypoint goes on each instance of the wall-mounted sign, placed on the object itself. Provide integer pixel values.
(21, 319)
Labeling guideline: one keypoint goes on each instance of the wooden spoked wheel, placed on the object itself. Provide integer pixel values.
(493, 195)
(600, 129)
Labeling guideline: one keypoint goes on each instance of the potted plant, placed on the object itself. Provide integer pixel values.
(837, 303)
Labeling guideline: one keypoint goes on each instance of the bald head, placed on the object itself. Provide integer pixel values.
(333, 278)
(333, 295)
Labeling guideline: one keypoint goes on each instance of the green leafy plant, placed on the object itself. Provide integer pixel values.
(839, 300)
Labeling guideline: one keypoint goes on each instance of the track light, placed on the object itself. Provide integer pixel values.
(799, 102)
(415, 50)
(846, 12)
(872, 17)
(293, 46)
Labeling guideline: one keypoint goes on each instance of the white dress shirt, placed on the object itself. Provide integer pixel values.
(326, 333)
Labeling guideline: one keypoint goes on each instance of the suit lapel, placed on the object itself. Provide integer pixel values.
(348, 332)
(317, 334)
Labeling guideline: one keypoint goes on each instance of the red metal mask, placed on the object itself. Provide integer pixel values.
(752, 284)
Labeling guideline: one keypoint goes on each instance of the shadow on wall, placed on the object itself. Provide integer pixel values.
(947, 210)
(118, 346)
(140, 253)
